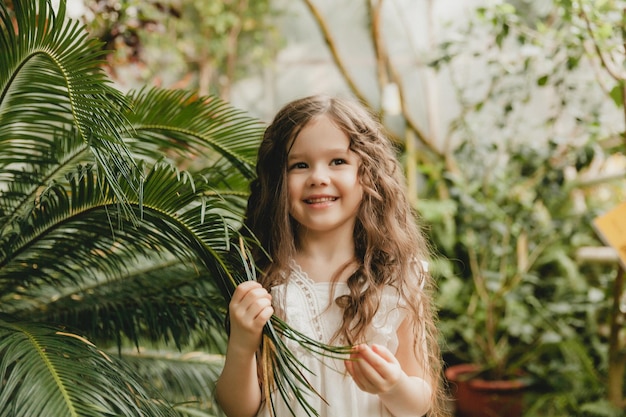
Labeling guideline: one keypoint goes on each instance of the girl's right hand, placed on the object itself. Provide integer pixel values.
(250, 308)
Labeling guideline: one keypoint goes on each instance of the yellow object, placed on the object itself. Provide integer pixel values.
(611, 227)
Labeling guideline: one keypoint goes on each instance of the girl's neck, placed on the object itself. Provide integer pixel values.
(326, 258)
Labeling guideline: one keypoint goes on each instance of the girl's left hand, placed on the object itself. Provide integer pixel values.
(374, 369)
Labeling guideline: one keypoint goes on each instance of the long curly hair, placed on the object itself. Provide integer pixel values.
(389, 244)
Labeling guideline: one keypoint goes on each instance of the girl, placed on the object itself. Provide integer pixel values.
(343, 265)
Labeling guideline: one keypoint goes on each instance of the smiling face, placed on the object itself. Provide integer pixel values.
(322, 179)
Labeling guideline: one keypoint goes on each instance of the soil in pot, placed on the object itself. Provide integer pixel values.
(475, 397)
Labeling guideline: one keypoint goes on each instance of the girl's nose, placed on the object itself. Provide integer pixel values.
(319, 176)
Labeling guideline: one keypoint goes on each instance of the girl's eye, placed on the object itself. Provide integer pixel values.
(338, 161)
(298, 165)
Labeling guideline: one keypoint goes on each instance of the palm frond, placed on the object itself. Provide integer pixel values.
(51, 80)
(67, 250)
(206, 127)
(71, 377)
(187, 411)
(45, 251)
(26, 171)
(177, 300)
(282, 370)
(71, 233)
(187, 378)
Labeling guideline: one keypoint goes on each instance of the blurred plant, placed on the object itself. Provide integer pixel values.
(506, 232)
(560, 57)
(203, 45)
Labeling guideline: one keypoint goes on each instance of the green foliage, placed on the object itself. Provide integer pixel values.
(65, 375)
(102, 236)
(514, 297)
(600, 408)
(202, 43)
(513, 223)
(536, 127)
(189, 376)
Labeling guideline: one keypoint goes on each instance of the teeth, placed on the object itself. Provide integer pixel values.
(320, 200)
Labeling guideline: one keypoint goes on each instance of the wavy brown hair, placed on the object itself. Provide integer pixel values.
(389, 245)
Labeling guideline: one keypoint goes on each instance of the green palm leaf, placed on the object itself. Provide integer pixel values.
(187, 378)
(176, 303)
(51, 80)
(45, 250)
(71, 377)
(178, 121)
(161, 269)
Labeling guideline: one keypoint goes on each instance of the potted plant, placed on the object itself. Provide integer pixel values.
(505, 227)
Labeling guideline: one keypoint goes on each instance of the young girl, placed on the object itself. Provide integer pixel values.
(344, 264)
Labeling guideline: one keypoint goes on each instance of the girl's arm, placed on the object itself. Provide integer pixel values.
(237, 389)
(400, 381)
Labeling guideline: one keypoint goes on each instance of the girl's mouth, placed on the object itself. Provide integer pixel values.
(319, 200)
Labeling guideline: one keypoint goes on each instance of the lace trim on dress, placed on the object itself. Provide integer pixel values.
(302, 280)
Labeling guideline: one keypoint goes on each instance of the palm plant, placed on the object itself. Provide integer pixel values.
(103, 238)
(95, 220)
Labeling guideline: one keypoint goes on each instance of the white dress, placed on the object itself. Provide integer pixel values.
(308, 307)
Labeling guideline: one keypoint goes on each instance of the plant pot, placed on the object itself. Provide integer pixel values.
(475, 397)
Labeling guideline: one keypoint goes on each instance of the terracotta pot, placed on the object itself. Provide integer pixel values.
(483, 398)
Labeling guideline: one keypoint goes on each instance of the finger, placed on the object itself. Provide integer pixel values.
(377, 356)
(384, 353)
(251, 308)
(369, 363)
(366, 354)
(248, 295)
(365, 375)
(349, 366)
(243, 288)
(349, 363)
(257, 300)
(354, 370)
(377, 372)
(264, 314)
(256, 304)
